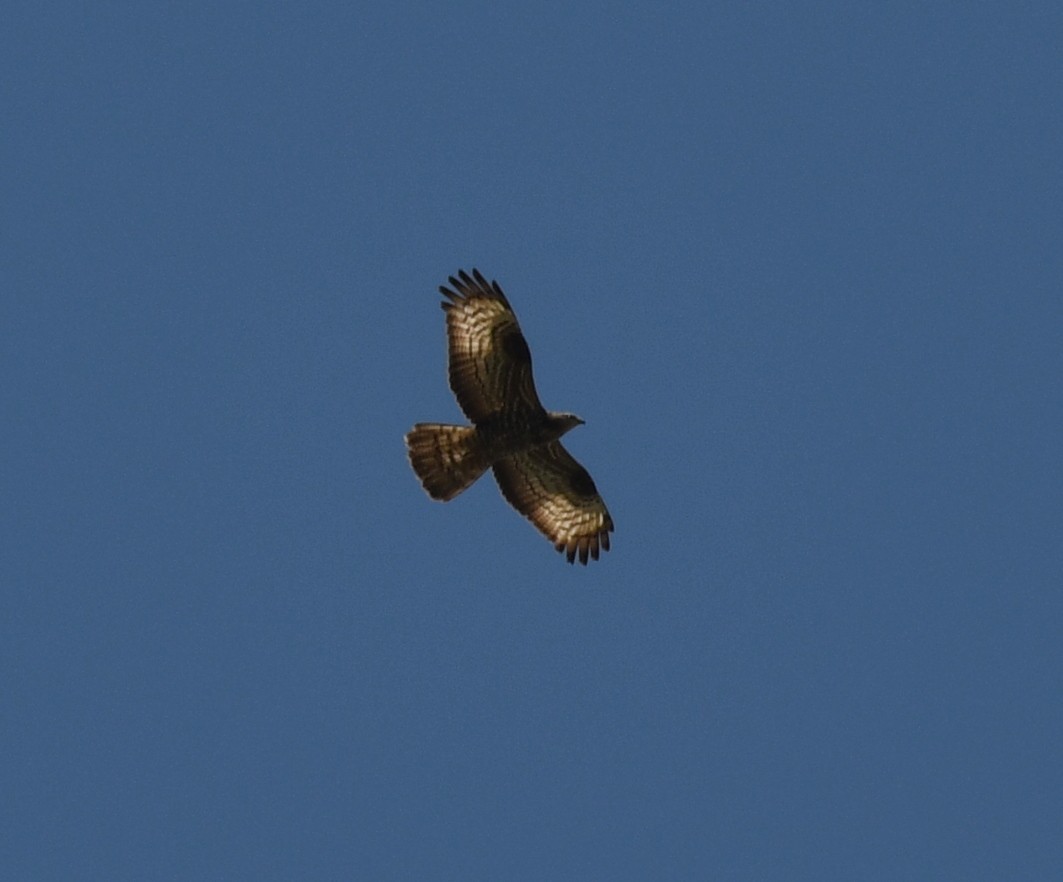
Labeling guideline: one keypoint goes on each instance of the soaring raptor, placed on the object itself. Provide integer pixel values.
(511, 432)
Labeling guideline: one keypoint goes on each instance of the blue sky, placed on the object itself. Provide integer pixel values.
(797, 266)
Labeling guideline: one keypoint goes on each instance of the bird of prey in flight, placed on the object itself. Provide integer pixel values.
(511, 433)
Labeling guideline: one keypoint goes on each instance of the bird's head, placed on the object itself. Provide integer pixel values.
(564, 422)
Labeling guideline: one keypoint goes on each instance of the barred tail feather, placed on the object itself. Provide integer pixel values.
(447, 459)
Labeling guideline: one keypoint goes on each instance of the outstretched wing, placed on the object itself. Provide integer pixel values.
(490, 365)
(552, 490)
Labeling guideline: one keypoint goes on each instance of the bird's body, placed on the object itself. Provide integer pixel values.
(511, 432)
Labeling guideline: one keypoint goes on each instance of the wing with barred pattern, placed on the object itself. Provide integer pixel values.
(490, 365)
(554, 492)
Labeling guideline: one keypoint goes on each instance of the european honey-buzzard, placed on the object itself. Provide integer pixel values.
(511, 432)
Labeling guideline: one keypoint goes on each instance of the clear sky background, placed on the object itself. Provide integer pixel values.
(797, 265)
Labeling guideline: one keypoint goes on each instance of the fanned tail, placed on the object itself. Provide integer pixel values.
(447, 459)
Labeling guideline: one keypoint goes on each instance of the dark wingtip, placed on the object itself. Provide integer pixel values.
(450, 295)
(585, 548)
(466, 285)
